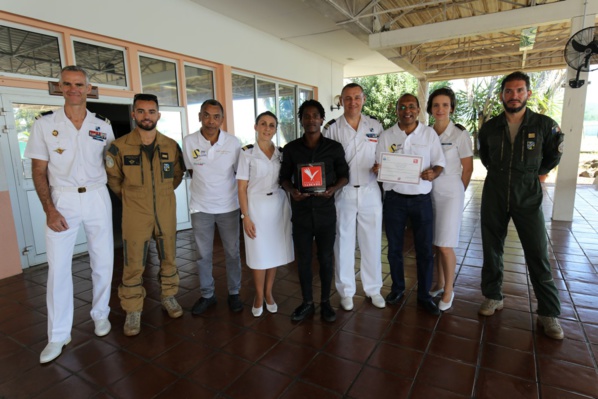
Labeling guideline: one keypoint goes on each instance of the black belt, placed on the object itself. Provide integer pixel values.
(406, 195)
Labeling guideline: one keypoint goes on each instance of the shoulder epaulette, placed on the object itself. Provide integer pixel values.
(330, 123)
(44, 114)
(113, 149)
(280, 149)
(460, 126)
(374, 118)
(248, 146)
(103, 118)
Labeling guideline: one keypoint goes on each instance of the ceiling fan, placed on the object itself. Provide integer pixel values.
(581, 53)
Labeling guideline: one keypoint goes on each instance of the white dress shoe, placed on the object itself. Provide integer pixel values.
(446, 305)
(434, 294)
(378, 301)
(272, 308)
(347, 303)
(257, 312)
(102, 327)
(53, 350)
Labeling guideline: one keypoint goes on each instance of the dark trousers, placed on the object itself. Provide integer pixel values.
(303, 237)
(529, 222)
(397, 210)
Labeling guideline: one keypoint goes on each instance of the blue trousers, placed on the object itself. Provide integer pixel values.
(399, 208)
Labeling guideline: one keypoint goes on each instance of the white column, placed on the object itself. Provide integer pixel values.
(574, 104)
(422, 95)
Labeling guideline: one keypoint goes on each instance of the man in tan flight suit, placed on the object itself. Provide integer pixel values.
(144, 168)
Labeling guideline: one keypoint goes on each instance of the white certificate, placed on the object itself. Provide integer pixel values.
(400, 168)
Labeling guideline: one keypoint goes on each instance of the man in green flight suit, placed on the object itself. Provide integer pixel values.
(516, 147)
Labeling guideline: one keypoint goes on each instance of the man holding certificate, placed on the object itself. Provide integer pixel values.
(313, 169)
(409, 157)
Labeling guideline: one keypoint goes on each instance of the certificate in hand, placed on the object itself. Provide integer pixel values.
(400, 168)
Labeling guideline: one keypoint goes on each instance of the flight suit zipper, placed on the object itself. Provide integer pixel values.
(506, 132)
(154, 163)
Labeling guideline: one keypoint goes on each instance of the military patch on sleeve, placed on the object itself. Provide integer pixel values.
(109, 161)
(248, 146)
(556, 129)
(330, 123)
(113, 150)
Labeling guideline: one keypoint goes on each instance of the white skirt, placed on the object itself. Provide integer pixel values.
(273, 244)
(448, 196)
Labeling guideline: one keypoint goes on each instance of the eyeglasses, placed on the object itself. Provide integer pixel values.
(410, 107)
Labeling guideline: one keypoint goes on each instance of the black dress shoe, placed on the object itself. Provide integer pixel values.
(234, 303)
(327, 313)
(304, 310)
(394, 297)
(202, 305)
(429, 306)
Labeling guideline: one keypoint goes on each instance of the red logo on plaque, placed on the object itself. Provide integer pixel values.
(311, 176)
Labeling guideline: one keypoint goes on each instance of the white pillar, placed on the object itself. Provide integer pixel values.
(422, 95)
(574, 104)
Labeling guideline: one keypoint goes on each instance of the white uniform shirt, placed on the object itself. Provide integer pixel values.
(213, 185)
(456, 145)
(359, 146)
(261, 172)
(423, 141)
(75, 157)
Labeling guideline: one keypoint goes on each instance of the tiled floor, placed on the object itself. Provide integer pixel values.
(398, 352)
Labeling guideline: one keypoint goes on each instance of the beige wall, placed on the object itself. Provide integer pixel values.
(10, 263)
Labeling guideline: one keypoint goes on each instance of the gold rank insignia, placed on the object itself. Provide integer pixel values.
(59, 150)
(54, 133)
(531, 135)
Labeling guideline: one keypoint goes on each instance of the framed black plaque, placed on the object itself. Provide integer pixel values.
(312, 177)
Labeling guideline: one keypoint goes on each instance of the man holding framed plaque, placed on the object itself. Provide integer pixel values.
(410, 156)
(313, 169)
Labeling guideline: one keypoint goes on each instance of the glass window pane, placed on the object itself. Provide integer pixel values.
(287, 120)
(304, 95)
(199, 84)
(244, 108)
(29, 53)
(103, 64)
(266, 97)
(159, 77)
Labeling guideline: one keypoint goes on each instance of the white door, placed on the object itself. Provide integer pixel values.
(172, 124)
(19, 113)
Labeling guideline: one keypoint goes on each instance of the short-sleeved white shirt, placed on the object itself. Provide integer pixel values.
(359, 146)
(75, 157)
(260, 171)
(456, 145)
(423, 141)
(213, 185)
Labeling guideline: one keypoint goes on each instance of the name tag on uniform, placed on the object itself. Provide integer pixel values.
(163, 155)
(131, 160)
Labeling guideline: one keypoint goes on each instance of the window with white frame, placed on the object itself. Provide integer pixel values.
(29, 52)
(159, 77)
(104, 64)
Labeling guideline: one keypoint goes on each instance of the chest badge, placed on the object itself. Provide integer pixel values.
(59, 150)
(530, 145)
(54, 133)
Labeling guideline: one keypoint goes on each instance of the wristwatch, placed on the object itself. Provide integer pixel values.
(242, 216)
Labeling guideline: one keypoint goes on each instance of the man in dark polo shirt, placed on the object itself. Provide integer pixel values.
(314, 215)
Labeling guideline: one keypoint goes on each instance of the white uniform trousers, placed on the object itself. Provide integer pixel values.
(358, 211)
(93, 209)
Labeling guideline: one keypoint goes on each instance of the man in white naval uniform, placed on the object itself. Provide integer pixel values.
(67, 149)
(359, 203)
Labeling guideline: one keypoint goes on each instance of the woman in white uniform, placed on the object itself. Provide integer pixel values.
(448, 192)
(265, 211)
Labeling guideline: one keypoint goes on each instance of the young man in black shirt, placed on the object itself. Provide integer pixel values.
(314, 214)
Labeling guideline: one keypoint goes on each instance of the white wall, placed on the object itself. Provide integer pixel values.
(184, 27)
